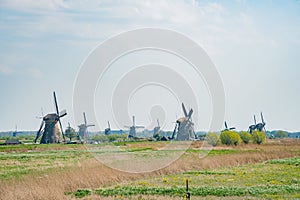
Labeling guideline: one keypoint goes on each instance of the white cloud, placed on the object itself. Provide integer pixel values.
(6, 70)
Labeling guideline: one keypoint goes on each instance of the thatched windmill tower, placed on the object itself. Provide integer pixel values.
(49, 129)
(83, 133)
(184, 128)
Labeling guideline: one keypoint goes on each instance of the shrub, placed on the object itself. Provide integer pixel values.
(245, 136)
(258, 137)
(212, 138)
(230, 138)
(82, 193)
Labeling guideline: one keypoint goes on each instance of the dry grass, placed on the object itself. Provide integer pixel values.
(92, 174)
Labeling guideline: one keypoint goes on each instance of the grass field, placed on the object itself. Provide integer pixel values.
(69, 171)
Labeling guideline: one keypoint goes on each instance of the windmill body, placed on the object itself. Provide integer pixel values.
(132, 129)
(51, 131)
(107, 131)
(184, 128)
(49, 128)
(259, 126)
(83, 132)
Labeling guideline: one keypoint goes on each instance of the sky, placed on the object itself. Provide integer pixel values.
(254, 45)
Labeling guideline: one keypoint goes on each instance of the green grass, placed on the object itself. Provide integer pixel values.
(200, 191)
(272, 179)
(19, 160)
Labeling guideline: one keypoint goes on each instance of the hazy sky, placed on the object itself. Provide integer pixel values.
(255, 45)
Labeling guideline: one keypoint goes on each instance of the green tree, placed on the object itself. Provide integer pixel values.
(245, 136)
(259, 137)
(230, 138)
(212, 138)
(70, 133)
(280, 134)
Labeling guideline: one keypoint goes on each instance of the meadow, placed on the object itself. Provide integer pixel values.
(60, 171)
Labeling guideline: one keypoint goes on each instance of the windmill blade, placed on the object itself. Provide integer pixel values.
(133, 120)
(184, 110)
(108, 124)
(174, 131)
(61, 128)
(254, 120)
(139, 126)
(39, 131)
(158, 122)
(262, 117)
(89, 125)
(55, 102)
(232, 128)
(190, 113)
(226, 127)
(63, 113)
(84, 117)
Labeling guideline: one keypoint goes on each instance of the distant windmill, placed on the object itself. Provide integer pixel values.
(49, 129)
(226, 127)
(83, 133)
(261, 126)
(16, 132)
(157, 128)
(253, 126)
(107, 131)
(132, 129)
(184, 127)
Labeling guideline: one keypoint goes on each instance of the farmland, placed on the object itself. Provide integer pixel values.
(70, 171)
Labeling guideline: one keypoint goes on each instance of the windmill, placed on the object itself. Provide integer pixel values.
(83, 133)
(184, 128)
(226, 127)
(261, 126)
(132, 129)
(157, 128)
(107, 131)
(253, 126)
(49, 129)
(16, 132)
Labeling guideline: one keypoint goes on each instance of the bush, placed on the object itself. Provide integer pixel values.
(212, 138)
(258, 137)
(245, 136)
(280, 134)
(230, 138)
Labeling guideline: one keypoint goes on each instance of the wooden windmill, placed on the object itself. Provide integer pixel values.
(49, 128)
(83, 133)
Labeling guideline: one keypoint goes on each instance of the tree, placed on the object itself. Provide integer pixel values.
(245, 136)
(280, 134)
(70, 133)
(230, 138)
(212, 138)
(259, 137)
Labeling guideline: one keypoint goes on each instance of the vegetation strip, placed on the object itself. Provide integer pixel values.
(201, 191)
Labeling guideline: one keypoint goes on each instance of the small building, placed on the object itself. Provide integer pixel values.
(12, 142)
